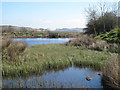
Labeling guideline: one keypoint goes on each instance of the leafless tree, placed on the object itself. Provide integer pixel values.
(101, 18)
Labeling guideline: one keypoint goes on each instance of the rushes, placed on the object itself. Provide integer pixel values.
(38, 59)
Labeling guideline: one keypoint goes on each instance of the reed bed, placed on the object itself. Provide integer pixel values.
(40, 58)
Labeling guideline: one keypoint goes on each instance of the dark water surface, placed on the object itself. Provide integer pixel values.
(37, 41)
(71, 77)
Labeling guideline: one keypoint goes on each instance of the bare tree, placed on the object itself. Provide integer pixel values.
(101, 18)
(92, 16)
(118, 13)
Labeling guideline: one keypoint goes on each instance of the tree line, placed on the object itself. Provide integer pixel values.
(102, 18)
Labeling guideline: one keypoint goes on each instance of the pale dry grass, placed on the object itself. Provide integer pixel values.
(11, 50)
(87, 42)
(111, 72)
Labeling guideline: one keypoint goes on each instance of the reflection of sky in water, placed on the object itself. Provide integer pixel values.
(71, 77)
(37, 41)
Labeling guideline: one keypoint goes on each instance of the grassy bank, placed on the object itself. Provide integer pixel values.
(39, 58)
(41, 34)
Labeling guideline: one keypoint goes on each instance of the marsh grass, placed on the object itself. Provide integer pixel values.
(40, 58)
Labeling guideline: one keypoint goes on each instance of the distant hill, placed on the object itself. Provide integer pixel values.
(70, 29)
(9, 28)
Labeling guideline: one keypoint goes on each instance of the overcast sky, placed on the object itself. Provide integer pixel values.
(49, 15)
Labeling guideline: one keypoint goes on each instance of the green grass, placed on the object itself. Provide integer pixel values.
(37, 59)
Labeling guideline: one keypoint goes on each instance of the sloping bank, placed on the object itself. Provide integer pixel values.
(37, 59)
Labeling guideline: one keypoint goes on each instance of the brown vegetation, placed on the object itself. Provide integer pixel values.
(111, 73)
(87, 42)
(11, 50)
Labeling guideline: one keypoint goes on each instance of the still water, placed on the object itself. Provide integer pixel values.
(37, 41)
(71, 77)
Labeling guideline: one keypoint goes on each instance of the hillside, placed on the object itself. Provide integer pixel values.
(69, 29)
(9, 28)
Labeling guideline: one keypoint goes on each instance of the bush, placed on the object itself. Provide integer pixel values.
(99, 45)
(12, 50)
(6, 43)
(111, 73)
(114, 48)
(88, 43)
(83, 41)
(53, 35)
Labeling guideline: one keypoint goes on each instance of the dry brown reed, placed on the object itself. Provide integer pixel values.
(12, 49)
(111, 73)
(87, 42)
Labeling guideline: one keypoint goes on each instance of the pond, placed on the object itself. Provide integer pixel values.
(37, 41)
(71, 77)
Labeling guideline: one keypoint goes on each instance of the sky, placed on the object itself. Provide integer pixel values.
(49, 15)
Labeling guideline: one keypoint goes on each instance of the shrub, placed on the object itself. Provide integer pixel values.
(6, 43)
(88, 43)
(11, 50)
(83, 41)
(111, 73)
(99, 45)
(53, 35)
(114, 48)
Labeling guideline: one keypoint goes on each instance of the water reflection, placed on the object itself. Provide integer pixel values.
(71, 77)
